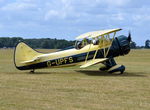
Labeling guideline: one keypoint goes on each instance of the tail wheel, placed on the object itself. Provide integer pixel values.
(32, 71)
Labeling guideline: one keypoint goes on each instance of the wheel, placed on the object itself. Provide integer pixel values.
(32, 71)
(120, 69)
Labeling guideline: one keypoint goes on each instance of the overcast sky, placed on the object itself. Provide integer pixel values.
(66, 19)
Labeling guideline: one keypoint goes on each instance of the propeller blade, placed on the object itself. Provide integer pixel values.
(129, 37)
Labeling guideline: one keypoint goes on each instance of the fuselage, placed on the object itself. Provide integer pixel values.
(68, 57)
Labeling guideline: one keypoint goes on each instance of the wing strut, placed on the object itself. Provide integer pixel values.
(106, 51)
(104, 42)
(88, 54)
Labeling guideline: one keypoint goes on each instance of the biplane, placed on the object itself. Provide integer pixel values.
(90, 49)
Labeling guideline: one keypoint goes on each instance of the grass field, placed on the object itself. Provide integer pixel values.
(76, 89)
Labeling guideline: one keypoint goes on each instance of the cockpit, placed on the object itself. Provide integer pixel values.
(82, 43)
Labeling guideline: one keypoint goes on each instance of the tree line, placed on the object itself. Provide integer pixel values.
(48, 43)
(134, 46)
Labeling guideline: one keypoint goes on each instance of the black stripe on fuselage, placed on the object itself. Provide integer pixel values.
(63, 61)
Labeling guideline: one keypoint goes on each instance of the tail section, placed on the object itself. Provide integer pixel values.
(24, 53)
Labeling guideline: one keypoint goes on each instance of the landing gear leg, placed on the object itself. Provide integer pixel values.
(108, 64)
(32, 71)
(104, 68)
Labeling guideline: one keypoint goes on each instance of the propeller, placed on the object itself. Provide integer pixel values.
(129, 37)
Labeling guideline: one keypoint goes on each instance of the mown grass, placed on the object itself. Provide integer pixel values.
(76, 89)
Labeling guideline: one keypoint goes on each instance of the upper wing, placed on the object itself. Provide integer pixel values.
(97, 33)
(93, 62)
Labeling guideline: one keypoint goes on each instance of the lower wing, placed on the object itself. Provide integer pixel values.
(93, 62)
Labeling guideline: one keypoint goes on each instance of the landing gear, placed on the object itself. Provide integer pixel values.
(111, 67)
(32, 71)
(115, 69)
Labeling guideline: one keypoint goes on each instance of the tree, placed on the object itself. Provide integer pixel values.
(1, 44)
(45, 44)
(133, 45)
(147, 44)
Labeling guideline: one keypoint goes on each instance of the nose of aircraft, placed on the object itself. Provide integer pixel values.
(124, 42)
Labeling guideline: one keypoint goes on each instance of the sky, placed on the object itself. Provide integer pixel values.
(67, 19)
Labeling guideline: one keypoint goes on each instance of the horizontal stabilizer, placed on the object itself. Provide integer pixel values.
(93, 62)
(31, 61)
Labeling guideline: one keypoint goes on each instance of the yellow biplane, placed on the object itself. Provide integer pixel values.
(90, 49)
